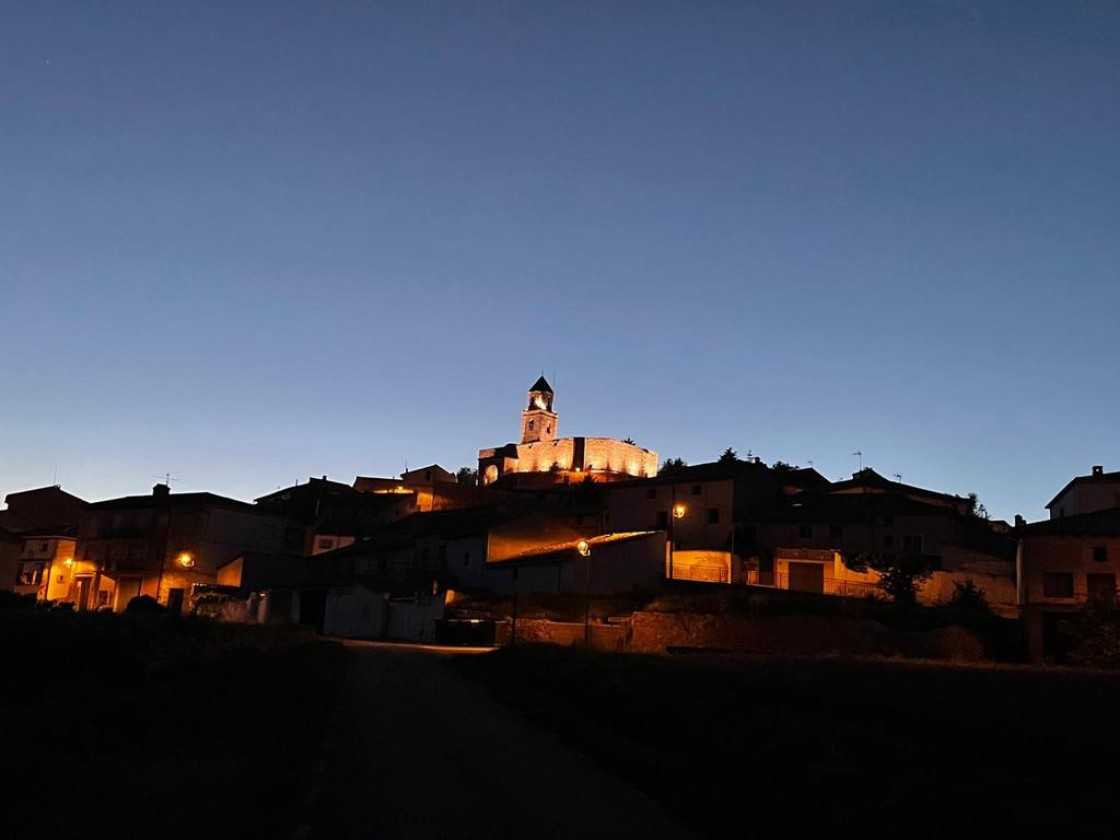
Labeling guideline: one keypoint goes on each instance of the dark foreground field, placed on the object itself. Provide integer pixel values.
(142, 726)
(767, 748)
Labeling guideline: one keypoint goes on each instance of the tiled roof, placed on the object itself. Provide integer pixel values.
(569, 546)
(172, 500)
(1098, 523)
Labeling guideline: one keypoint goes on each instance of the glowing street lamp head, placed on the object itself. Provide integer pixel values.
(678, 511)
(69, 561)
(584, 548)
(185, 560)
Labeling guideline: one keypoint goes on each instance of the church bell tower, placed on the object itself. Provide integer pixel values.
(538, 421)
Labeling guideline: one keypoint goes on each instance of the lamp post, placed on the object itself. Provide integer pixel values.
(677, 512)
(513, 617)
(583, 547)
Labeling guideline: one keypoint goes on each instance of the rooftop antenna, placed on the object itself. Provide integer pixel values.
(859, 452)
(167, 478)
(898, 477)
(55, 482)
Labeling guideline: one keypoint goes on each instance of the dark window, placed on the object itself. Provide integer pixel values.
(1100, 553)
(697, 489)
(713, 516)
(466, 558)
(806, 532)
(651, 493)
(912, 543)
(887, 519)
(1057, 584)
(530, 425)
(835, 531)
(662, 519)
(888, 540)
(1101, 586)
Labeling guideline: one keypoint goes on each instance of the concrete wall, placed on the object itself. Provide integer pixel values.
(1088, 497)
(711, 566)
(354, 612)
(838, 578)
(413, 619)
(636, 507)
(1073, 554)
(466, 559)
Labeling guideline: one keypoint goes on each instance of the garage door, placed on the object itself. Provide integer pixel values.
(806, 577)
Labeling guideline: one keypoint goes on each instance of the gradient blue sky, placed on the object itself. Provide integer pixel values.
(251, 242)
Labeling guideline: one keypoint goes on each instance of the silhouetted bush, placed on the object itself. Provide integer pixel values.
(1096, 629)
(969, 598)
(144, 605)
(15, 601)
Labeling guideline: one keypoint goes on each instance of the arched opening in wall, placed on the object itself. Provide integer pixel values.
(491, 475)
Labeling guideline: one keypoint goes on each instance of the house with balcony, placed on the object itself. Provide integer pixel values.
(1062, 564)
(164, 543)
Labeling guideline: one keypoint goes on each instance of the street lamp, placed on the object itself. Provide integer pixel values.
(583, 547)
(677, 512)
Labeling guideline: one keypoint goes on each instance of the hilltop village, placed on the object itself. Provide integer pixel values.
(416, 556)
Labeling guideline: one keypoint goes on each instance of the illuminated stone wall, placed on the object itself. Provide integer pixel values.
(595, 455)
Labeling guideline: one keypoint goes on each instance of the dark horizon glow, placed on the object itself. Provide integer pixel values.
(256, 242)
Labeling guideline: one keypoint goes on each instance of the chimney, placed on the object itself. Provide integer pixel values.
(1019, 521)
(1098, 470)
(161, 491)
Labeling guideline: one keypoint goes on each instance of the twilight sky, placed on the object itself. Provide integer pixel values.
(250, 242)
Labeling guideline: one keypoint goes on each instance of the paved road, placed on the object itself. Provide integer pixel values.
(417, 751)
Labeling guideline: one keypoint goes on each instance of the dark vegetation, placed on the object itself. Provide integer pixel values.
(144, 725)
(784, 748)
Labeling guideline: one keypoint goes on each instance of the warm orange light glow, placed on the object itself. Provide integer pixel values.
(69, 561)
(583, 547)
(185, 560)
(678, 511)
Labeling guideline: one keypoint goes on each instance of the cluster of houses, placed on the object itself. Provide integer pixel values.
(380, 557)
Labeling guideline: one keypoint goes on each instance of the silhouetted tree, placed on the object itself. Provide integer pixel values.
(902, 576)
(466, 475)
(782, 466)
(728, 456)
(975, 508)
(673, 465)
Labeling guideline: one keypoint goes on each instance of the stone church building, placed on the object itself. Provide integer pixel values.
(542, 458)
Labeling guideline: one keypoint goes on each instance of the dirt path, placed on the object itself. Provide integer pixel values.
(417, 751)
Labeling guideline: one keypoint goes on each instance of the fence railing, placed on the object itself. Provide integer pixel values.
(827, 585)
